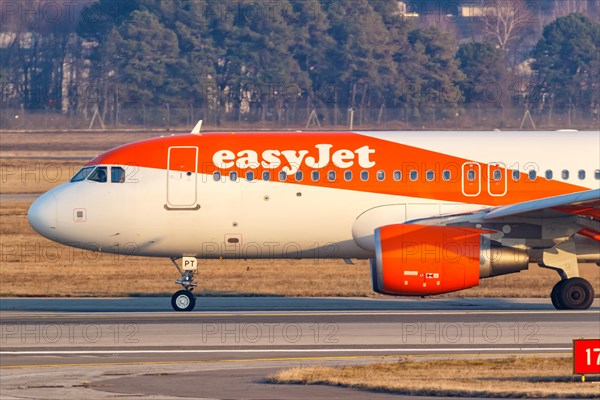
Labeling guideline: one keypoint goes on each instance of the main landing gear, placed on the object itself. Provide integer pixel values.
(571, 292)
(183, 300)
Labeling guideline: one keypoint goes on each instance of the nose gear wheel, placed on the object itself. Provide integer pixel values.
(183, 300)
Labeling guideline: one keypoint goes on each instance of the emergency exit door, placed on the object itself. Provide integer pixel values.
(182, 185)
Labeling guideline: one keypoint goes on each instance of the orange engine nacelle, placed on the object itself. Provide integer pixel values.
(418, 260)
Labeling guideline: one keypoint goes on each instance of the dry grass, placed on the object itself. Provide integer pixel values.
(30, 265)
(22, 175)
(65, 143)
(37, 162)
(507, 377)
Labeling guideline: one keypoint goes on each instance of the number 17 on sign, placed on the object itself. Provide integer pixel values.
(586, 357)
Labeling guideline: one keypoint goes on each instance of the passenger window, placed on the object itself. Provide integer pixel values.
(216, 176)
(380, 175)
(233, 175)
(446, 175)
(414, 175)
(532, 174)
(331, 176)
(282, 176)
(117, 175)
(549, 174)
(516, 175)
(597, 174)
(266, 176)
(315, 176)
(348, 176)
(430, 175)
(497, 175)
(397, 176)
(250, 176)
(471, 175)
(98, 175)
(364, 176)
(82, 174)
(565, 174)
(299, 176)
(581, 174)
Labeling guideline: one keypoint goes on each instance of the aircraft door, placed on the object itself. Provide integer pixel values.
(471, 179)
(182, 182)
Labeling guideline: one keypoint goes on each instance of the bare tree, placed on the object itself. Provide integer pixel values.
(504, 20)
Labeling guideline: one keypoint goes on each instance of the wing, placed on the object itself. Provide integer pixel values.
(536, 219)
(581, 203)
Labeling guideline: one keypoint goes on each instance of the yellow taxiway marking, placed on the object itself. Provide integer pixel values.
(253, 360)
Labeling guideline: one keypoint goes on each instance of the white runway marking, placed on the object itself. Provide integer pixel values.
(201, 314)
(330, 350)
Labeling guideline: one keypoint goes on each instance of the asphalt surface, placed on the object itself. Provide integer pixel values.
(228, 346)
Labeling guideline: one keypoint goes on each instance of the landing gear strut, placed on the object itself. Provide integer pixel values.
(183, 300)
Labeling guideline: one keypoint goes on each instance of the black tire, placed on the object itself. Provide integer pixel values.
(575, 294)
(554, 295)
(183, 300)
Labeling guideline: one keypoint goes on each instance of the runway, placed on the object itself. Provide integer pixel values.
(137, 347)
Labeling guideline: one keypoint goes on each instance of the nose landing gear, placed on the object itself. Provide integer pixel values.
(183, 300)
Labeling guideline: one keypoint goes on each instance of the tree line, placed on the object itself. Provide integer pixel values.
(266, 60)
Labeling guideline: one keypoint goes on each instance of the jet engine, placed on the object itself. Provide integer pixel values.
(419, 260)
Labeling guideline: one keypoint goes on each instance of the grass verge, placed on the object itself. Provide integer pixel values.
(31, 265)
(531, 377)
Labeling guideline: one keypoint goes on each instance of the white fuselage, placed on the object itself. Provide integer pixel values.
(273, 219)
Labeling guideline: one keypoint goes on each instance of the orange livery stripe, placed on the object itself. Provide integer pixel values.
(335, 155)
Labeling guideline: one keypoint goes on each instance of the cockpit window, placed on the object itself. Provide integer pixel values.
(98, 175)
(117, 175)
(82, 174)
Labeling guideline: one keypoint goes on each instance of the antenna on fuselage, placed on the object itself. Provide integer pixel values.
(196, 130)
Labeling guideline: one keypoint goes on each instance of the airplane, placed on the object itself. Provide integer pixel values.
(434, 212)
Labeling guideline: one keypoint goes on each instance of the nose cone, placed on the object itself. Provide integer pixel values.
(42, 215)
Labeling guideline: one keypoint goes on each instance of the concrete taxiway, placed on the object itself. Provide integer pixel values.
(137, 347)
